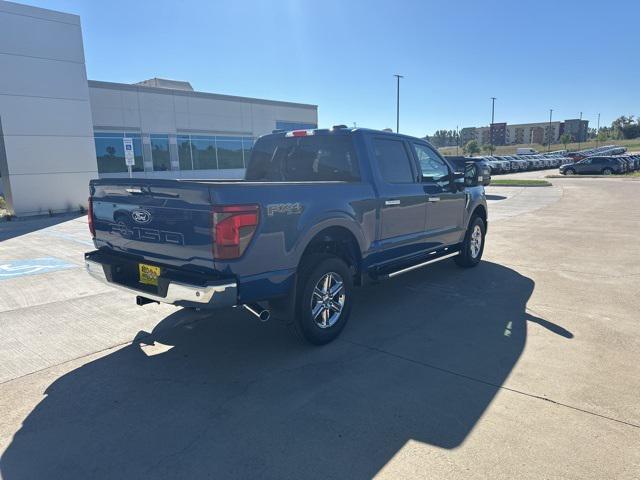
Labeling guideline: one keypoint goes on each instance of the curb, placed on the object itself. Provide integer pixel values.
(521, 185)
(593, 176)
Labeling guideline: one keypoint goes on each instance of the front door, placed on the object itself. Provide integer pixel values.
(403, 203)
(445, 204)
(585, 166)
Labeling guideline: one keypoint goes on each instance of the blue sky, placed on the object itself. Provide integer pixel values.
(567, 55)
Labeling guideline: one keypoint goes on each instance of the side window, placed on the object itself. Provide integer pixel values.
(433, 168)
(393, 161)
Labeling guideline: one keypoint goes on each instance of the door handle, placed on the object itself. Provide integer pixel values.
(392, 202)
(434, 199)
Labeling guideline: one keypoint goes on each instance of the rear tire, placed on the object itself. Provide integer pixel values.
(606, 171)
(323, 299)
(473, 244)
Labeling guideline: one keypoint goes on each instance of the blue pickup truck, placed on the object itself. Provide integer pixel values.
(318, 213)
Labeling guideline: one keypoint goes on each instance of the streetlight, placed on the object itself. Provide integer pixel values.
(549, 138)
(580, 131)
(457, 140)
(398, 77)
(493, 109)
(597, 132)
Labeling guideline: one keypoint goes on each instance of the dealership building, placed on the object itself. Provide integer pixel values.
(59, 130)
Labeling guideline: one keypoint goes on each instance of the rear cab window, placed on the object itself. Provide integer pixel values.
(303, 159)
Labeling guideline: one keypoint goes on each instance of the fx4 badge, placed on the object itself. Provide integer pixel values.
(284, 208)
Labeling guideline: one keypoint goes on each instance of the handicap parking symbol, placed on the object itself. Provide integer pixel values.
(32, 266)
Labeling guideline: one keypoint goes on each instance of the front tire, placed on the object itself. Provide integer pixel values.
(473, 244)
(323, 299)
(569, 171)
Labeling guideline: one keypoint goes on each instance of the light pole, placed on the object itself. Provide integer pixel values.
(457, 140)
(398, 77)
(580, 131)
(598, 132)
(549, 138)
(493, 110)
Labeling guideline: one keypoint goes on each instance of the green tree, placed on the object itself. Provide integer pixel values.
(565, 138)
(489, 149)
(603, 135)
(625, 127)
(471, 148)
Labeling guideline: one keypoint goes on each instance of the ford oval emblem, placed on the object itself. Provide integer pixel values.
(141, 216)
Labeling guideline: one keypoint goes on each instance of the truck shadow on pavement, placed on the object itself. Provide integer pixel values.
(23, 226)
(223, 396)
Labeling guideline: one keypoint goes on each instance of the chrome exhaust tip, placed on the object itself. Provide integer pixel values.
(262, 313)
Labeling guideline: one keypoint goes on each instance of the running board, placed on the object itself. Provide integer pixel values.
(419, 265)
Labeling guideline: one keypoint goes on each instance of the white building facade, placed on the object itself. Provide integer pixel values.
(180, 133)
(47, 154)
(58, 130)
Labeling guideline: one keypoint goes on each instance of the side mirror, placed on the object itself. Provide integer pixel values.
(459, 180)
(471, 172)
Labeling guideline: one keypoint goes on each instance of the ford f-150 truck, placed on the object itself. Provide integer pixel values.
(318, 212)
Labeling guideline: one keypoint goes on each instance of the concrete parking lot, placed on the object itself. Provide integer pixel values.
(525, 367)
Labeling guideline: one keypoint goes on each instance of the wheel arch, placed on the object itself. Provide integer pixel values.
(480, 211)
(338, 240)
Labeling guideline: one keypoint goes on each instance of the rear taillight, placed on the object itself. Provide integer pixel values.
(92, 227)
(233, 229)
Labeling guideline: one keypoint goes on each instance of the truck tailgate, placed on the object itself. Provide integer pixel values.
(161, 221)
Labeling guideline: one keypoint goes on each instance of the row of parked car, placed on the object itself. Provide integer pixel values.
(522, 163)
(605, 160)
(604, 151)
(602, 165)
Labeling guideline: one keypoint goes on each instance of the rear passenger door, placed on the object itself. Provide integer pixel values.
(445, 205)
(402, 200)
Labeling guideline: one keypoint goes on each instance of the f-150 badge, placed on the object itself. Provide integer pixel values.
(284, 208)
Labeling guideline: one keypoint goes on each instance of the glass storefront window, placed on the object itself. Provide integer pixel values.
(195, 152)
(247, 145)
(184, 152)
(229, 152)
(110, 152)
(160, 153)
(203, 150)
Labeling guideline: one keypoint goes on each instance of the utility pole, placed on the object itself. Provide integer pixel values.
(457, 140)
(580, 132)
(398, 77)
(493, 109)
(549, 138)
(597, 132)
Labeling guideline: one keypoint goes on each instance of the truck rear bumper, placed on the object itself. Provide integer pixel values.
(214, 294)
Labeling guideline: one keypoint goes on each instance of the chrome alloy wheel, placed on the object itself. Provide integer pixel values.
(328, 300)
(476, 241)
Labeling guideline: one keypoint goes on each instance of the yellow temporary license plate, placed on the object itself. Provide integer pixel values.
(148, 274)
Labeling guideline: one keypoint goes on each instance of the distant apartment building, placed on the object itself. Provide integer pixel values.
(525, 133)
(483, 135)
(578, 129)
(467, 134)
(498, 133)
